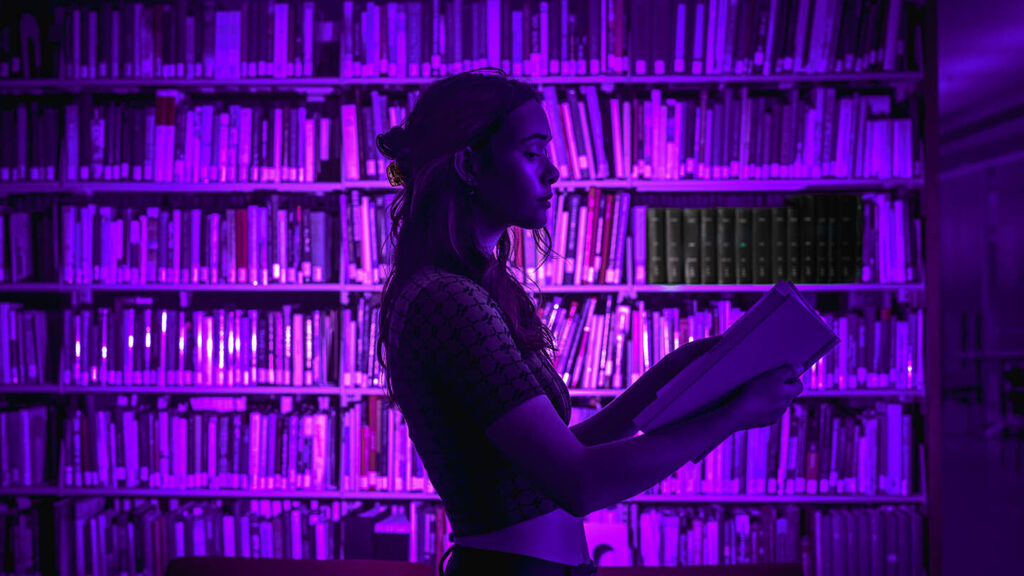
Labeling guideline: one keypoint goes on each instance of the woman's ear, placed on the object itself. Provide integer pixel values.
(466, 166)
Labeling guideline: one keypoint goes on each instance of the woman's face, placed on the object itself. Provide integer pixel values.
(514, 184)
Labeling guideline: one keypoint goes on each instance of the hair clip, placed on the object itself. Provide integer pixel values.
(395, 175)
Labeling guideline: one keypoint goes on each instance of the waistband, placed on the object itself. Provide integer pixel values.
(513, 564)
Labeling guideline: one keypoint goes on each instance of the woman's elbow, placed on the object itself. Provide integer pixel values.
(579, 500)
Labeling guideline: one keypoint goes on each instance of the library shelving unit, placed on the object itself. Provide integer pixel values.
(923, 402)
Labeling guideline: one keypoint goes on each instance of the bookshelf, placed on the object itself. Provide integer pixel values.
(614, 77)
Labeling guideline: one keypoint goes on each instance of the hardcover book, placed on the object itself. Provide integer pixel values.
(781, 328)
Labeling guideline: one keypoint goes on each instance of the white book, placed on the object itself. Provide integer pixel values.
(307, 171)
(214, 249)
(570, 138)
(769, 39)
(678, 60)
(588, 142)
(252, 216)
(557, 146)
(94, 41)
(616, 127)
(892, 26)
(223, 120)
(244, 143)
(596, 129)
(699, 41)
(307, 38)
(374, 65)
(780, 329)
(87, 267)
(517, 43)
(627, 138)
(280, 55)
(220, 49)
(349, 142)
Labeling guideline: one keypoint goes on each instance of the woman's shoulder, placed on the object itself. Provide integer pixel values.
(432, 287)
(439, 283)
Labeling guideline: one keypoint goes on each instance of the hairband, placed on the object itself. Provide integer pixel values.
(395, 177)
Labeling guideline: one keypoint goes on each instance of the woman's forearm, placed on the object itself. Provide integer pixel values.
(609, 424)
(615, 471)
(615, 421)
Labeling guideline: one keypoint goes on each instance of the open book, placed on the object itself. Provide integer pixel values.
(781, 328)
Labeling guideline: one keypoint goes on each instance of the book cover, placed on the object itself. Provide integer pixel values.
(779, 329)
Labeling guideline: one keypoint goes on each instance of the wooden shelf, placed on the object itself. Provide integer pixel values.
(334, 287)
(28, 491)
(322, 85)
(27, 390)
(320, 188)
(203, 493)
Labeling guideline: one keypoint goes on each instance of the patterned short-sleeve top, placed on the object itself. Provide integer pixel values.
(455, 369)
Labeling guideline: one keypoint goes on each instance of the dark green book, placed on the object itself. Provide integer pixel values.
(674, 245)
(708, 246)
(744, 245)
(780, 265)
(726, 245)
(761, 240)
(793, 244)
(808, 239)
(824, 225)
(691, 245)
(848, 239)
(656, 271)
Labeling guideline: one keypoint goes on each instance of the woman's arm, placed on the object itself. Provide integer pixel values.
(615, 421)
(582, 479)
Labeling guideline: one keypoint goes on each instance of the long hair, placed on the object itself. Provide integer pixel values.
(430, 216)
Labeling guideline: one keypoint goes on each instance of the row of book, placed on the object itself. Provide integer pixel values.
(191, 240)
(722, 37)
(608, 237)
(883, 540)
(663, 135)
(308, 444)
(136, 344)
(412, 39)
(97, 536)
(597, 237)
(600, 344)
(199, 141)
(215, 443)
(811, 238)
(611, 347)
(813, 449)
(729, 134)
(276, 240)
(25, 443)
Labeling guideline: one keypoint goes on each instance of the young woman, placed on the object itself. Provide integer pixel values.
(468, 361)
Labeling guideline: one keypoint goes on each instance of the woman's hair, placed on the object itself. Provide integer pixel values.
(430, 216)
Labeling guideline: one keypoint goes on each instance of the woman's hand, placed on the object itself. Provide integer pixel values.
(763, 399)
(671, 364)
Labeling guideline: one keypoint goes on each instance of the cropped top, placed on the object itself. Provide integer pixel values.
(455, 369)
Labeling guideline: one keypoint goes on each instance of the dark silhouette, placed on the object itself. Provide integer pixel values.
(468, 361)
